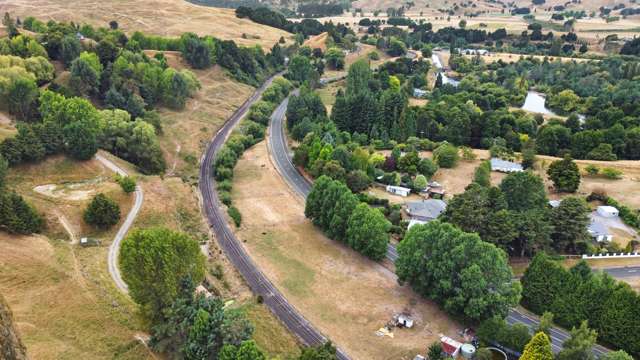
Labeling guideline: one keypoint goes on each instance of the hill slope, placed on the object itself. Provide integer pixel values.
(160, 17)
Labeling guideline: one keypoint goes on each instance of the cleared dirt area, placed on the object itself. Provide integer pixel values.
(7, 128)
(160, 17)
(345, 295)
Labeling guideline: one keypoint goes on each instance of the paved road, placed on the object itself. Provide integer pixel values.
(281, 156)
(233, 248)
(114, 249)
(623, 272)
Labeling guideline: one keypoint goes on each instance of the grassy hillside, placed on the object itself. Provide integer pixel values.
(160, 17)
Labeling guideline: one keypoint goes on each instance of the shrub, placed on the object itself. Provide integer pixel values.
(102, 212)
(446, 155)
(225, 185)
(234, 213)
(611, 173)
(223, 173)
(127, 183)
(225, 197)
(592, 170)
(374, 55)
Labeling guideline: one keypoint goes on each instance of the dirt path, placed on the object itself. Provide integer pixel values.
(114, 249)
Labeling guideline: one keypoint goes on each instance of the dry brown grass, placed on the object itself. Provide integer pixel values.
(317, 42)
(342, 293)
(625, 190)
(160, 17)
(62, 296)
(187, 132)
(512, 58)
(7, 127)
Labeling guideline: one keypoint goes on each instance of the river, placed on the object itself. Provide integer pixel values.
(535, 102)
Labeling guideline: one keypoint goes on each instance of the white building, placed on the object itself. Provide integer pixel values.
(607, 211)
(398, 190)
(505, 166)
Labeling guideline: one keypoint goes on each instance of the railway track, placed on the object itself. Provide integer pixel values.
(233, 248)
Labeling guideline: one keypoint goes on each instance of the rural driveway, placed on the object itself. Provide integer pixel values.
(281, 156)
(114, 248)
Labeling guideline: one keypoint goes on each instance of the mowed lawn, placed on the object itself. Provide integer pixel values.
(346, 296)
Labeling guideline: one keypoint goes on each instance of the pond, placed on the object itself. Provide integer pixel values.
(535, 102)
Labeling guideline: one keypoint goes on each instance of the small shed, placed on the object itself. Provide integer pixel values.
(398, 190)
(554, 203)
(201, 290)
(450, 346)
(86, 242)
(404, 321)
(505, 166)
(599, 232)
(607, 211)
(419, 93)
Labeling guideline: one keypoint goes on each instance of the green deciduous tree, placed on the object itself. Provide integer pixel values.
(524, 191)
(467, 276)
(22, 96)
(446, 155)
(367, 232)
(565, 175)
(325, 351)
(153, 262)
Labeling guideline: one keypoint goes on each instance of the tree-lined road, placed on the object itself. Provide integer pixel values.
(281, 156)
(233, 248)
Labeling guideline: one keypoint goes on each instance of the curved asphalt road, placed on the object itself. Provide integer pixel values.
(114, 248)
(234, 250)
(281, 156)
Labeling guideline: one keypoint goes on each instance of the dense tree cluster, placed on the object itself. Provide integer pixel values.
(467, 276)
(611, 307)
(515, 216)
(200, 327)
(334, 208)
(496, 331)
(16, 215)
(267, 16)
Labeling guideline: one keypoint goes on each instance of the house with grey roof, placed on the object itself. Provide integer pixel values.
(599, 231)
(426, 210)
(505, 166)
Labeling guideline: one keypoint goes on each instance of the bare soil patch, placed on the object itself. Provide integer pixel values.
(345, 295)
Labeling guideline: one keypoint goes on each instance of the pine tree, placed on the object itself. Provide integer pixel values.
(438, 83)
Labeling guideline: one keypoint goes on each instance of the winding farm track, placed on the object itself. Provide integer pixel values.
(114, 248)
(281, 156)
(233, 248)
